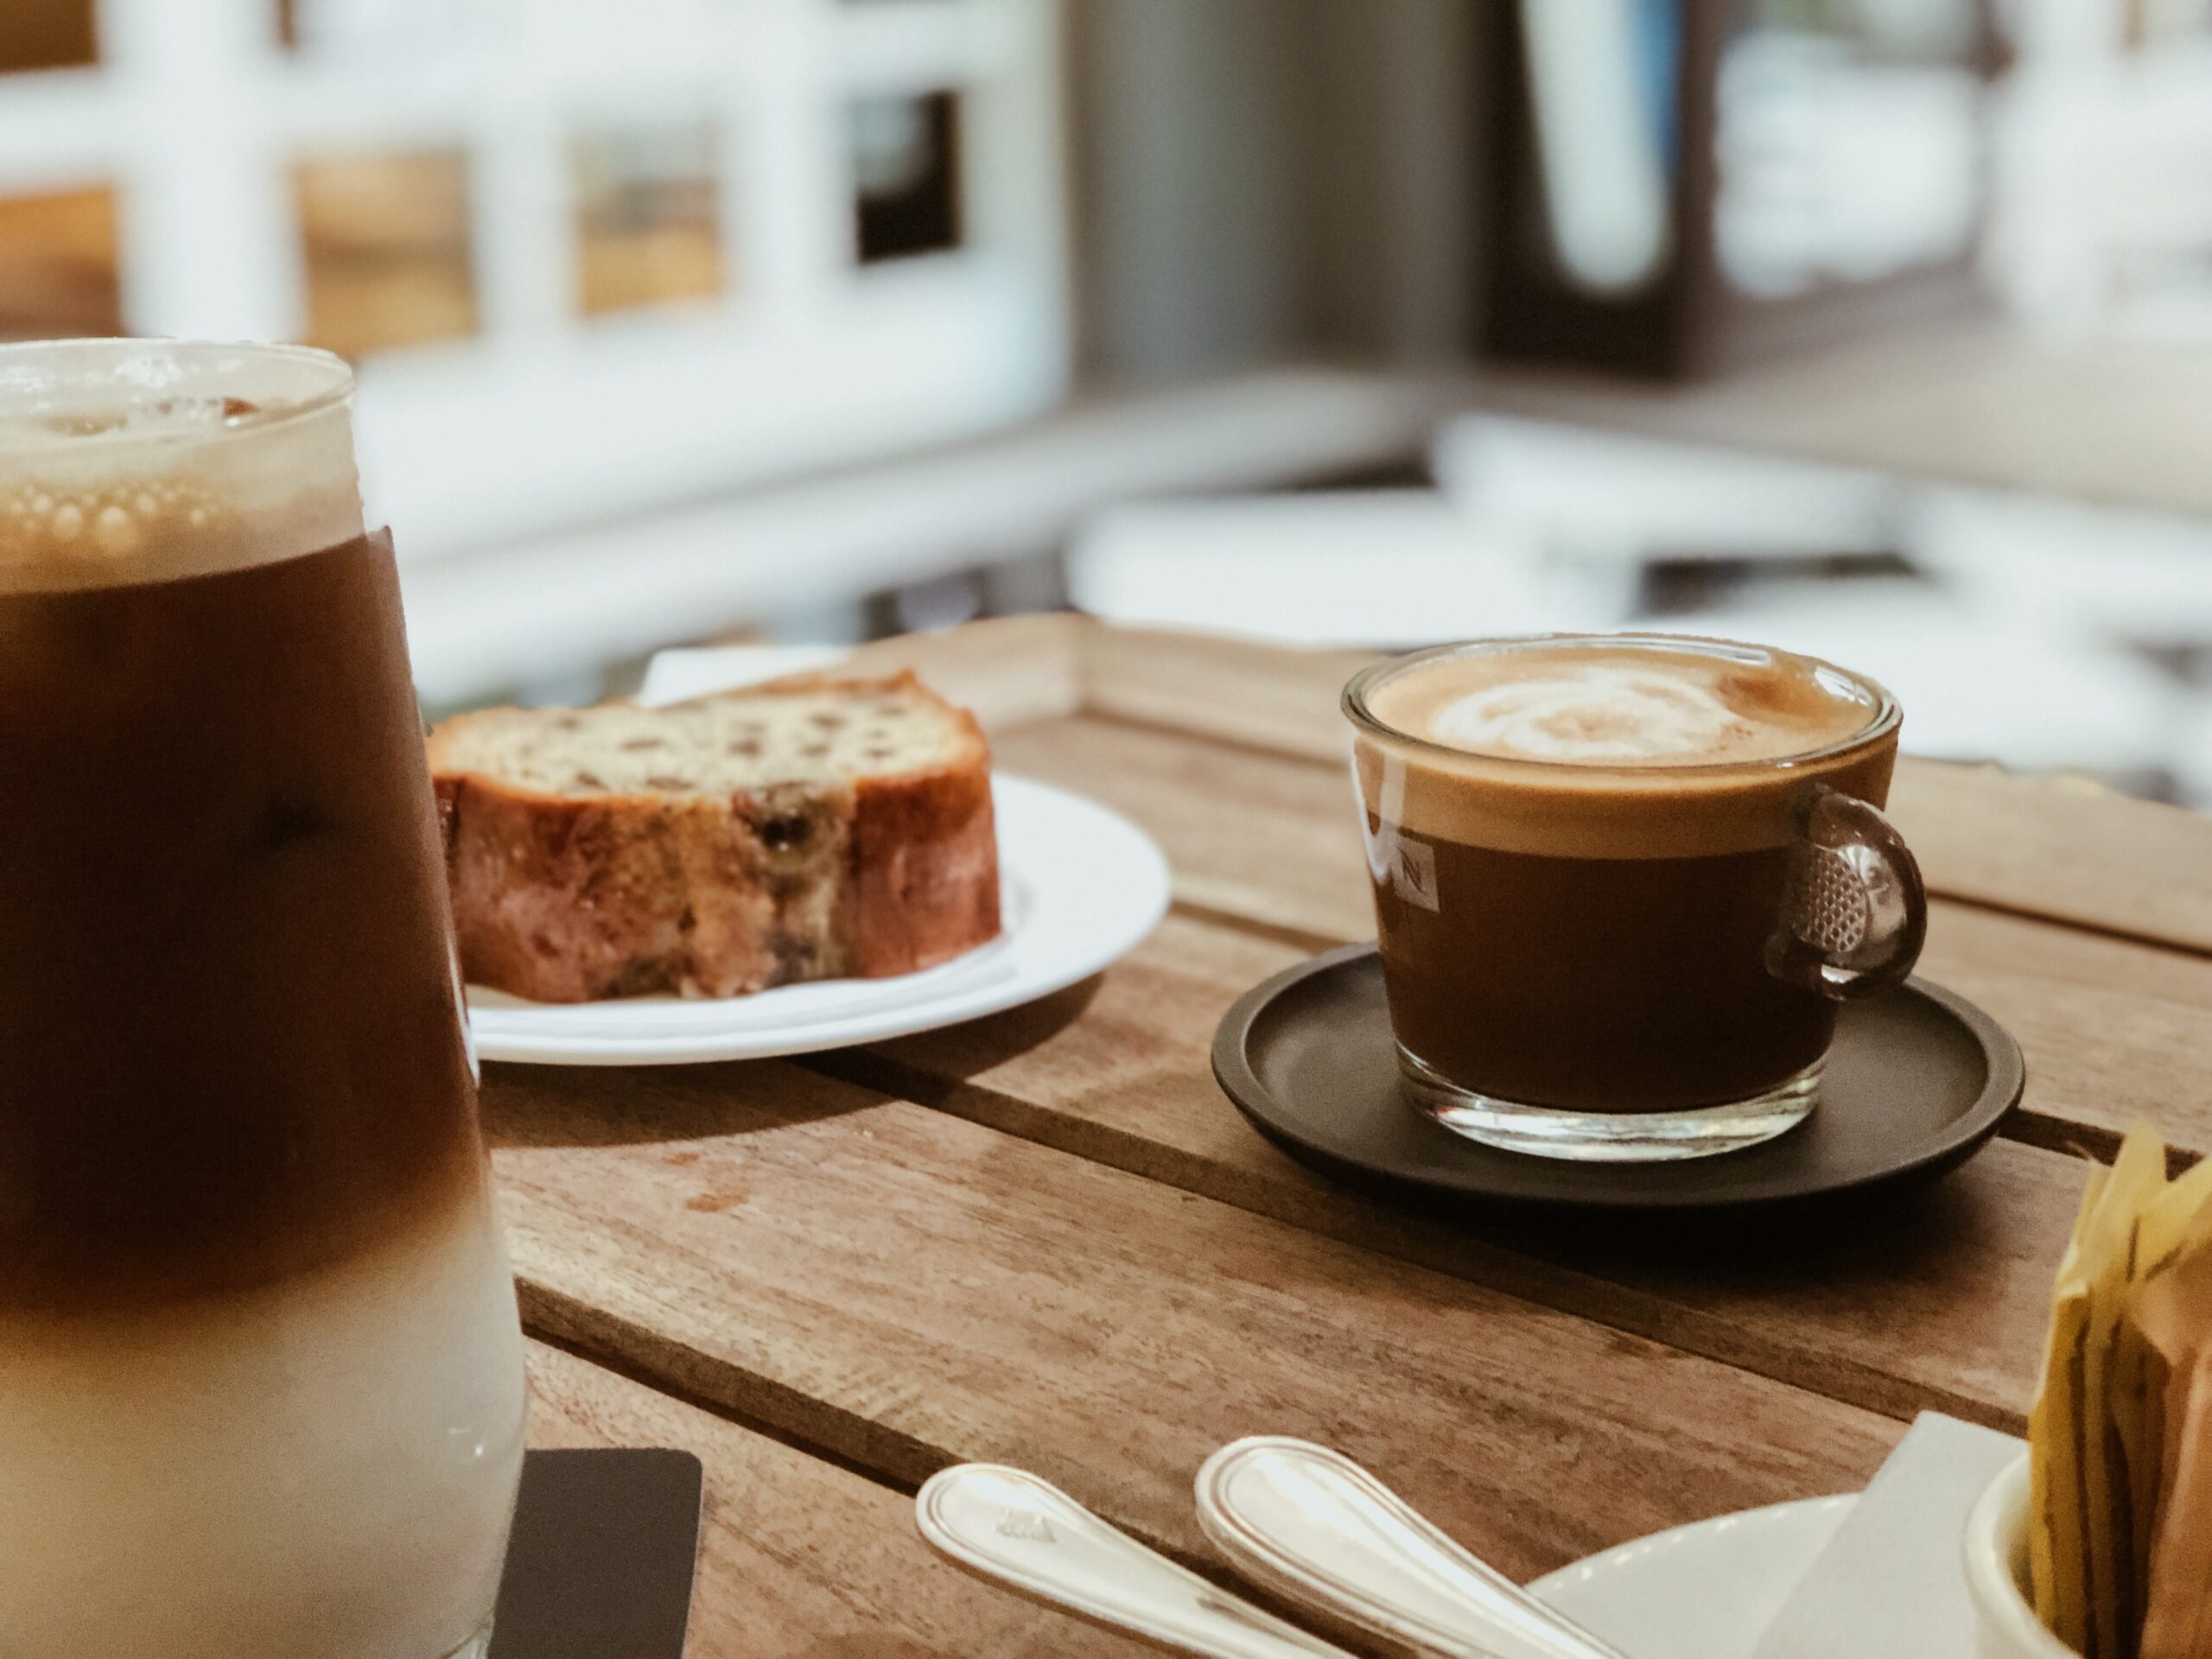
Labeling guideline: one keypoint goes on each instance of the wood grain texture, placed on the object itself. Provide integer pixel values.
(905, 1289)
(1243, 690)
(799, 1559)
(1250, 835)
(1009, 669)
(2048, 847)
(2116, 1032)
(1938, 1301)
(2061, 850)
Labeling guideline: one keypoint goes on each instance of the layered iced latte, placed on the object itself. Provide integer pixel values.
(261, 1386)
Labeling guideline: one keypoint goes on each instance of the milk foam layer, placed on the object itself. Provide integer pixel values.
(1603, 705)
(125, 461)
(1613, 747)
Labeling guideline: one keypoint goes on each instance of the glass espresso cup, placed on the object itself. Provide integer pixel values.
(1622, 880)
(260, 1377)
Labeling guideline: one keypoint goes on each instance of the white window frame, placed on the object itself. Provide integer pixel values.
(196, 116)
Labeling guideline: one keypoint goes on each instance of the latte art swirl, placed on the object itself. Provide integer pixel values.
(1628, 704)
(1597, 712)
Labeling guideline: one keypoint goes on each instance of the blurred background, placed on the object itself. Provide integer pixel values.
(1881, 328)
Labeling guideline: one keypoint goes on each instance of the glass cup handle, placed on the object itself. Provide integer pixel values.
(1857, 910)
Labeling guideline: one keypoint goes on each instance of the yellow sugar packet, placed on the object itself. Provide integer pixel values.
(2174, 1318)
(2139, 1178)
(2172, 1228)
(2055, 1531)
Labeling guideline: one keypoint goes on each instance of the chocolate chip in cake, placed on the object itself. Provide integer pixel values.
(634, 745)
(815, 751)
(668, 781)
(749, 748)
(828, 723)
(590, 780)
(781, 834)
(796, 958)
(639, 976)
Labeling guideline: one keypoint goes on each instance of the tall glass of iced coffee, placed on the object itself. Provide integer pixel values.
(261, 1386)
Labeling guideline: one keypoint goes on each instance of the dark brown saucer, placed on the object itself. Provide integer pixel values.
(1918, 1079)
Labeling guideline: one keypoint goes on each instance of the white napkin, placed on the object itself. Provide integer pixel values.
(672, 675)
(1890, 1582)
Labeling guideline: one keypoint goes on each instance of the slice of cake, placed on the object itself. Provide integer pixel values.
(805, 830)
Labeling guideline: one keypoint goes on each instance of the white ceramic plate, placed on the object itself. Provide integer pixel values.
(1081, 886)
(1706, 1591)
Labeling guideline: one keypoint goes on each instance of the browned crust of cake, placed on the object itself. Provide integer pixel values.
(567, 899)
(924, 869)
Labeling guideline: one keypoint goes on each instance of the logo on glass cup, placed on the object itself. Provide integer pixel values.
(1413, 871)
(1407, 863)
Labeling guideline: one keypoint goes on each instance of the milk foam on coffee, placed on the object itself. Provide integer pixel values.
(1600, 705)
(1602, 746)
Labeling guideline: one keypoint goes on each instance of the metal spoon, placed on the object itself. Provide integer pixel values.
(1313, 1526)
(1008, 1525)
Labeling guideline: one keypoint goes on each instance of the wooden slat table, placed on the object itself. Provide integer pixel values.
(1047, 1238)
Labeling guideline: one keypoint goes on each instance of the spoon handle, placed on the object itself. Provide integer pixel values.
(1310, 1524)
(1007, 1524)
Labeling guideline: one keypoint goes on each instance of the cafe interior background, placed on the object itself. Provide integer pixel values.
(1880, 328)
